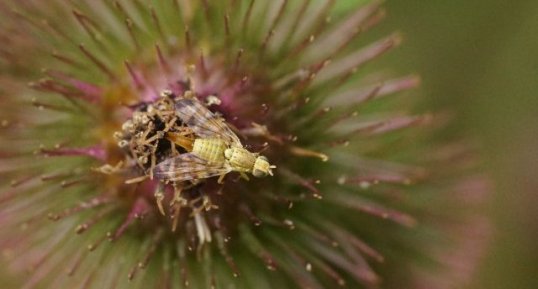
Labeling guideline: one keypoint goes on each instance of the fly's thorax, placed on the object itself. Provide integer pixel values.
(210, 149)
(240, 159)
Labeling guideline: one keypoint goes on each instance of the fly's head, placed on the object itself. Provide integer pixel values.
(262, 168)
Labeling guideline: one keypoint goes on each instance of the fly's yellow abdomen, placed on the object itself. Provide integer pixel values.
(210, 149)
(240, 159)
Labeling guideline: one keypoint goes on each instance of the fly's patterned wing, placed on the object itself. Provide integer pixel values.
(203, 122)
(186, 167)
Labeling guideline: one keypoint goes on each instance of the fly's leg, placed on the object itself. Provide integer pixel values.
(221, 179)
(159, 197)
(176, 204)
(175, 216)
(177, 199)
(205, 205)
(244, 176)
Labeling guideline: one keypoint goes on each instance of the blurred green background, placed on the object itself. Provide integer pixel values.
(480, 57)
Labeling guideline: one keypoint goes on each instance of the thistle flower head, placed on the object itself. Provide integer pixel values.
(215, 144)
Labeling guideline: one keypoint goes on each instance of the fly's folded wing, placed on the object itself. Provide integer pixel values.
(203, 122)
(186, 167)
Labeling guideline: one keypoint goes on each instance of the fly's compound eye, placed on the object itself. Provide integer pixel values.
(261, 167)
(259, 173)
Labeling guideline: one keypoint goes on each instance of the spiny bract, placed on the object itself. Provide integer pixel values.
(363, 194)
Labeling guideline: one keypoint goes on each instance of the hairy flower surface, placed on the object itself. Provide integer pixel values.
(362, 194)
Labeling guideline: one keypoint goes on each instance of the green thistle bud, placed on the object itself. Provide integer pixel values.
(361, 193)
